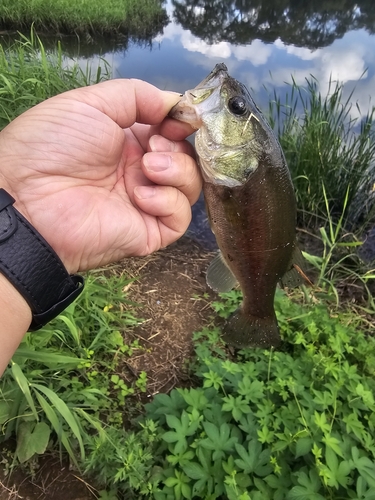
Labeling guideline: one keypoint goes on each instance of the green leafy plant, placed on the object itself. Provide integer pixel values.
(292, 424)
(141, 382)
(124, 461)
(32, 439)
(63, 377)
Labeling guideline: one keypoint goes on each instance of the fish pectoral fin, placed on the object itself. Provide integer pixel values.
(245, 330)
(295, 276)
(219, 277)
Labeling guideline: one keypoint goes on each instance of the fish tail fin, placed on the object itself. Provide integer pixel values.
(245, 330)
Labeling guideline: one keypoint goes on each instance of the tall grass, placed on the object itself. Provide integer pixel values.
(60, 376)
(29, 74)
(134, 17)
(323, 144)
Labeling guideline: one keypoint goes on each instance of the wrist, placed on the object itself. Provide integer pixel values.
(14, 304)
(32, 266)
(15, 320)
(22, 209)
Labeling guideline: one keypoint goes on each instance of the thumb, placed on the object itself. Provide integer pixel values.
(127, 101)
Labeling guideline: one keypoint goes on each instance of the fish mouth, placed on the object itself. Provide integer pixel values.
(217, 76)
(187, 109)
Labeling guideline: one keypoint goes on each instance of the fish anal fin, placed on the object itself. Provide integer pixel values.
(295, 275)
(219, 277)
(244, 330)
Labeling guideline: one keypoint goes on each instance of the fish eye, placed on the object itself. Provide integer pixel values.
(237, 105)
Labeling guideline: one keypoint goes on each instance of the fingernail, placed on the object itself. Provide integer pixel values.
(144, 192)
(157, 162)
(159, 144)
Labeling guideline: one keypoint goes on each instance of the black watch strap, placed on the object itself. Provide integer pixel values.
(33, 267)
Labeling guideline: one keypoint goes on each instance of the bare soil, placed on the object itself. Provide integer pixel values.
(170, 292)
(52, 480)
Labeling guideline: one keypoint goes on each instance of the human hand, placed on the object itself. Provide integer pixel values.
(83, 168)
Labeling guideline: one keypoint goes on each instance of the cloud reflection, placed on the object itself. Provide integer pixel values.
(258, 64)
(178, 60)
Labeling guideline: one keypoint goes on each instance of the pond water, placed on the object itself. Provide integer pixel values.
(264, 43)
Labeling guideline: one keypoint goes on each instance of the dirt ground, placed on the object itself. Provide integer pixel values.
(171, 292)
(170, 289)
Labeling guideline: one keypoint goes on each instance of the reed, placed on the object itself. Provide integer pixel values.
(30, 74)
(323, 144)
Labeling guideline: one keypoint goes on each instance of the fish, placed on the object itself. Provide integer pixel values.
(250, 204)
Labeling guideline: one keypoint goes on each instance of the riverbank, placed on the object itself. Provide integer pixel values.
(151, 326)
(138, 18)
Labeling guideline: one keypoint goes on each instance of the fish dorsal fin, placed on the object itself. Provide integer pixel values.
(295, 275)
(219, 277)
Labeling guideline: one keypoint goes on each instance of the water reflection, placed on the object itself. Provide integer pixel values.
(83, 46)
(311, 24)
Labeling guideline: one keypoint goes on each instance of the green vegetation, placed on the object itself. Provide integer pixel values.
(29, 74)
(63, 377)
(292, 424)
(325, 146)
(138, 18)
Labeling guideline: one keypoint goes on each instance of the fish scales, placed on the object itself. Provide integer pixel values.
(256, 240)
(250, 203)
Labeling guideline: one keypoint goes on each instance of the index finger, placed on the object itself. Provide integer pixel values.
(127, 101)
(173, 129)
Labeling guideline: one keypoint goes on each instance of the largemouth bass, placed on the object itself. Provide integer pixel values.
(250, 203)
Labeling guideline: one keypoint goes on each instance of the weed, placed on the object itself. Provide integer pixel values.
(326, 145)
(63, 377)
(119, 457)
(141, 383)
(286, 425)
(29, 74)
(276, 425)
(338, 263)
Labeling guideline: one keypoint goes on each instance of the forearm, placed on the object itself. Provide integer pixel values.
(15, 320)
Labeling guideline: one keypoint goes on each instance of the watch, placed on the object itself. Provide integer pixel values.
(33, 267)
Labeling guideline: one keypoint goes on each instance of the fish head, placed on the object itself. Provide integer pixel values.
(232, 132)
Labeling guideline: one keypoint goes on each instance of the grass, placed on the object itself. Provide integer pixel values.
(137, 18)
(63, 379)
(29, 74)
(324, 145)
(331, 157)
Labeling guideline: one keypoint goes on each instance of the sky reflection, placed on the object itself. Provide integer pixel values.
(178, 60)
